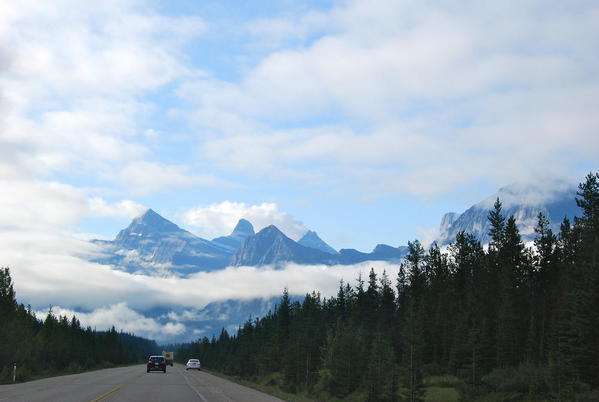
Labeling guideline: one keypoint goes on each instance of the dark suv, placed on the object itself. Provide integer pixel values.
(157, 363)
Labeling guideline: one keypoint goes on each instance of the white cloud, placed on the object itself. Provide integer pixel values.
(271, 33)
(194, 315)
(38, 204)
(220, 218)
(107, 48)
(126, 209)
(531, 193)
(53, 207)
(123, 318)
(141, 177)
(427, 97)
(74, 80)
(427, 235)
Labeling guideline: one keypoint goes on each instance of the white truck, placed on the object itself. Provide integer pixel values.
(169, 357)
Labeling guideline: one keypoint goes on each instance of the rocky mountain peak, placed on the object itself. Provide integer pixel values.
(270, 230)
(243, 228)
(312, 240)
(148, 223)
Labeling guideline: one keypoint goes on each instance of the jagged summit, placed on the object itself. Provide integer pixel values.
(242, 231)
(152, 243)
(148, 223)
(271, 230)
(271, 246)
(243, 227)
(312, 240)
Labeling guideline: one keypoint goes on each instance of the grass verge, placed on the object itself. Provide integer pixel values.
(268, 385)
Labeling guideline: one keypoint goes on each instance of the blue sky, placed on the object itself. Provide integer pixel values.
(363, 121)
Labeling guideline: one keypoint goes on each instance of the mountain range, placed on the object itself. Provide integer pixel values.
(154, 245)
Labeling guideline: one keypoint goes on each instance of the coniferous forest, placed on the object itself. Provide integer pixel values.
(521, 323)
(57, 345)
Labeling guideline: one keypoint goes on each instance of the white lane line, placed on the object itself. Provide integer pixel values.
(191, 386)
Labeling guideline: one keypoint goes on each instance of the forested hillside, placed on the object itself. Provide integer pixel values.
(506, 319)
(57, 344)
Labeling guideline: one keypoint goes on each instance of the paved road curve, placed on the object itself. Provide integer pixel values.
(133, 384)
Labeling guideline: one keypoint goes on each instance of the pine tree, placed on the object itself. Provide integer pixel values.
(468, 299)
(8, 309)
(411, 314)
(544, 287)
(8, 301)
(380, 381)
(438, 327)
(512, 297)
(581, 329)
(386, 313)
(343, 360)
(497, 221)
(283, 315)
(414, 264)
(372, 300)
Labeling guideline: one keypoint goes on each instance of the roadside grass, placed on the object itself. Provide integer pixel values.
(438, 389)
(442, 388)
(25, 374)
(508, 397)
(441, 381)
(268, 384)
(441, 394)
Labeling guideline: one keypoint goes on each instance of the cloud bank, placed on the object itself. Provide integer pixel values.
(122, 318)
(57, 274)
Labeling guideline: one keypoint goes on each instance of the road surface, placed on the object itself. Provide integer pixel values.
(133, 384)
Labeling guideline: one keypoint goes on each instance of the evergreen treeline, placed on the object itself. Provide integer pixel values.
(57, 344)
(506, 318)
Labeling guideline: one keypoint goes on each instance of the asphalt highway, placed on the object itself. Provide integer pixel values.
(133, 384)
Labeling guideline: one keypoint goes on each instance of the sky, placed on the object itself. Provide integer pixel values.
(363, 121)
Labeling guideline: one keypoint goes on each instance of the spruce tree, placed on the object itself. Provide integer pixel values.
(583, 297)
(512, 313)
(497, 222)
(545, 289)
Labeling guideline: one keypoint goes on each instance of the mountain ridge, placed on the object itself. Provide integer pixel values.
(270, 246)
(151, 244)
(521, 201)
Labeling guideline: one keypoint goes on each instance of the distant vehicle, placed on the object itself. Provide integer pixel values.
(157, 363)
(193, 364)
(169, 356)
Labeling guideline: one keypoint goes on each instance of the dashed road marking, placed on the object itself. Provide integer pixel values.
(116, 389)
